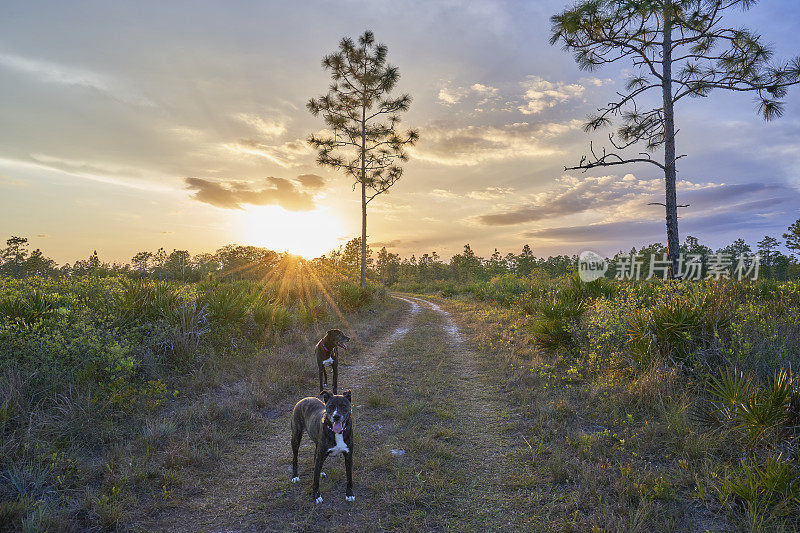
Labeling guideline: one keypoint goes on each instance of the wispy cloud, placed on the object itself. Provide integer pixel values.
(485, 194)
(626, 197)
(90, 171)
(490, 193)
(48, 72)
(288, 154)
(627, 233)
(268, 127)
(471, 145)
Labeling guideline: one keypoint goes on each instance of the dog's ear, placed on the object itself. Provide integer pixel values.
(347, 395)
(325, 394)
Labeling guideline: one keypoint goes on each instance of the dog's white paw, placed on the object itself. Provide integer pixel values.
(319, 499)
(322, 474)
(350, 498)
(295, 479)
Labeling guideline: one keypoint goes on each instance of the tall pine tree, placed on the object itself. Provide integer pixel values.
(363, 119)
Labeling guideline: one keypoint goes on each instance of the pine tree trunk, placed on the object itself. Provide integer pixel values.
(363, 194)
(671, 201)
(363, 234)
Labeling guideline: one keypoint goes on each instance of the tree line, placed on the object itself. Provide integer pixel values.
(252, 262)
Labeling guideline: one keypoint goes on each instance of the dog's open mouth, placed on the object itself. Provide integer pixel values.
(337, 427)
(343, 345)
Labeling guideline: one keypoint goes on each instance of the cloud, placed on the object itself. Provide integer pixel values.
(444, 194)
(538, 94)
(488, 193)
(48, 72)
(311, 181)
(450, 96)
(265, 126)
(486, 92)
(643, 230)
(471, 145)
(99, 172)
(288, 194)
(288, 154)
(101, 168)
(624, 197)
(619, 206)
(541, 94)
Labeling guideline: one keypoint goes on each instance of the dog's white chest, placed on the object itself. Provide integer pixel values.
(328, 361)
(340, 447)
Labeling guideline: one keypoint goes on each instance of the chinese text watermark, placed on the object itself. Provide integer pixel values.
(592, 266)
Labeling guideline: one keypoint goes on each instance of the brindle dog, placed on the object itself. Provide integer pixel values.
(327, 356)
(330, 426)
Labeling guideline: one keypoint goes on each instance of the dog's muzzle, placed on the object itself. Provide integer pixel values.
(337, 424)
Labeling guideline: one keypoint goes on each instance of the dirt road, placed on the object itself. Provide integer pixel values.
(434, 448)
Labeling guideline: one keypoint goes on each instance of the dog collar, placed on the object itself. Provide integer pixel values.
(325, 347)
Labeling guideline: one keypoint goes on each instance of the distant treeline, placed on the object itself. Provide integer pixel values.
(253, 263)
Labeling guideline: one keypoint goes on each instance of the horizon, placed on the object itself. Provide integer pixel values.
(193, 137)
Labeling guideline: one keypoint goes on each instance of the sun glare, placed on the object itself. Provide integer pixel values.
(306, 233)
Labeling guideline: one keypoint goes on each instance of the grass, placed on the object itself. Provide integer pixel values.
(653, 393)
(634, 407)
(112, 390)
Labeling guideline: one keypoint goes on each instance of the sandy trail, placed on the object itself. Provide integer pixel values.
(226, 499)
(250, 490)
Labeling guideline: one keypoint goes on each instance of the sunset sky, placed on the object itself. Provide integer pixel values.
(135, 125)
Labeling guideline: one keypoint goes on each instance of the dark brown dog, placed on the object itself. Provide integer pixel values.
(330, 426)
(327, 356)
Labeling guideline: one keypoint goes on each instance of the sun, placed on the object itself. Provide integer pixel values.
(306, 233)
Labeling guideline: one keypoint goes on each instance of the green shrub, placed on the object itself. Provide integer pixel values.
(271, 317)
(771, 486)
(678, 325)
(228, 303)
(765, 413)
(310, 312)
(26, 311)
(143, 299)
(281, 319)
(189, 322)
(554, 320)
(352, 296)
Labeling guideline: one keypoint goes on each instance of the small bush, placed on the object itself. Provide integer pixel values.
(771, 487)
(678, 325)
(271, 317)
(227, 303)
(352, 296)
(143, 299)
(554, 320)
(189, 320)
(25, 311)
(765, 413)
